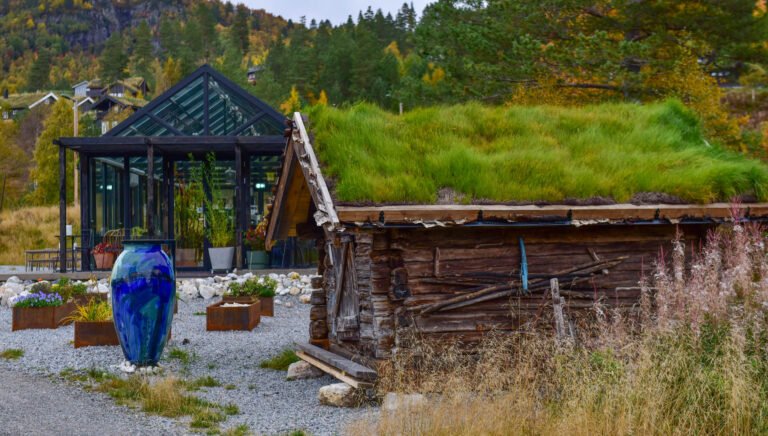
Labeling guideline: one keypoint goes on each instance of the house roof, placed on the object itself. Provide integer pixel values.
(26, 100)
(135, 103)
(84, 82)
(373, 141)
(205, 103)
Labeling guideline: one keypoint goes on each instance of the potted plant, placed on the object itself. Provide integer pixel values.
(94, 325)
(188, 199)
(103, 255)
(246, 292)
(232, 316)
(220, 228)
(40, 310)
(256, 253)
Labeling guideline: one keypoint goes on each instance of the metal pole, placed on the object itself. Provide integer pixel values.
(62, 209)
(75, 159)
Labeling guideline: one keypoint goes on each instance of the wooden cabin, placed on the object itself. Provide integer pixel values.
(454, 272)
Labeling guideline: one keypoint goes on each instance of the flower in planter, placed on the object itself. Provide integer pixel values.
(94, 311)
(255, 236)
(39, 299)
(102, 247)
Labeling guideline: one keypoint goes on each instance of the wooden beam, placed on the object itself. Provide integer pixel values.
(340, 375)
(280, 199)
(347, 366)
(312, 173)
(528, 213)
(62, 209)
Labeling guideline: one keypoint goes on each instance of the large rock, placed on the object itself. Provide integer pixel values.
(13, 279)
(206, 291)
(188, 290)
(294, 290)
(393, 401)
(302, 370)
(339, 395)
(9, 290)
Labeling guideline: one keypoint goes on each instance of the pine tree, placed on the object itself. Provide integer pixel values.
(113, 60)
(240, 30)
(141, 60)
(39, 73)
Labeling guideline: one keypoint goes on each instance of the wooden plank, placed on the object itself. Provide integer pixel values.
(280, 197)
(557, 304)
(411, 213)
(355, 383)
(326, 201)
(343, 364)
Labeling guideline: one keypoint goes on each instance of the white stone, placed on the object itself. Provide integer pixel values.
(246, 276)
(281, 290)
(102, 288)
(339, 395)
(288, 304)
(188, 290)
(220, 279)
(304, 299)
(306, 279)
(273, 276)
(302, 370)
(206, 291)
(278, 302)
(393, 401)
(13, 279)
(294, 290)
(220, 290)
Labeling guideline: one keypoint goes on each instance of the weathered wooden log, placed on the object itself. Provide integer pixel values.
(318, 312)
(317, 298)
(506, 288)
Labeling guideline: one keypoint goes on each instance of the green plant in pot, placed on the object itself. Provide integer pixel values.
(254, 241)
(220, 226)
(188, 199)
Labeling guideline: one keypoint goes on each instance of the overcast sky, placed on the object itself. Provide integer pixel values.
(335, 10)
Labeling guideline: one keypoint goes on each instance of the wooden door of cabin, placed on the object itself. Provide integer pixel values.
(345, 316)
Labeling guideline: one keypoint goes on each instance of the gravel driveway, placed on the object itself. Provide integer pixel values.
(268, 404)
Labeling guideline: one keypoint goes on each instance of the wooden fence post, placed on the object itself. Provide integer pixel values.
(557, 303)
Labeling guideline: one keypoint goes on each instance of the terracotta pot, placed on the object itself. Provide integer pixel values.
(96, 333)
(104, 260)
(220, 318)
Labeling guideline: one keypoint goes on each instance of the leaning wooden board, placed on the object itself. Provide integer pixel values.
(344, 365)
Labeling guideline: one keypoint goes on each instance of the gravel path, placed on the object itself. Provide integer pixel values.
(268, 403)
(37, 405)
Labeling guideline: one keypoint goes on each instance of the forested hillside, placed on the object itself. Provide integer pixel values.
(562, 52)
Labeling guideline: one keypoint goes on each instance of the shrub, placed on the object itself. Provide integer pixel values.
(261, 287)
(94, 311)
(12, 354)
(42, 286)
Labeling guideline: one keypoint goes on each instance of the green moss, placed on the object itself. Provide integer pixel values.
(527, 154)
(12, 354)
(281, 361)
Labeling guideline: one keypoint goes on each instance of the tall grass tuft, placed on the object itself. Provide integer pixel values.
(31, 228)
(690, 358)
(527, 154)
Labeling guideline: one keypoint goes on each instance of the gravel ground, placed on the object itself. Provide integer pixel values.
(38, 405)
(268, 403)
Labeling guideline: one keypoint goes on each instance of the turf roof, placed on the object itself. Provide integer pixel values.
(527, 154)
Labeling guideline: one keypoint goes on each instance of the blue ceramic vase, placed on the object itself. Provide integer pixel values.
(143, 297)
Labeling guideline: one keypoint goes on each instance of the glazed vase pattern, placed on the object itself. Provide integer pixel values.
(143, 296)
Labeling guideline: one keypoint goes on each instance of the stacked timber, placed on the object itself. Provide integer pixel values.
(318, 314)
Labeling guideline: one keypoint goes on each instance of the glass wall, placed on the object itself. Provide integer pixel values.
(107, 195)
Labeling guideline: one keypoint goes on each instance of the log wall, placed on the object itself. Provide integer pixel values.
(397, 270)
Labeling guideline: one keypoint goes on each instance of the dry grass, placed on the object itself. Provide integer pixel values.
(31, 228)
(692, 359)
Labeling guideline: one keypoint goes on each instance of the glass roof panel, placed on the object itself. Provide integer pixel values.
(146, 126)
(231, 112)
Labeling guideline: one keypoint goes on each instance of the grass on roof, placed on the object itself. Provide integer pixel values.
(527, 154)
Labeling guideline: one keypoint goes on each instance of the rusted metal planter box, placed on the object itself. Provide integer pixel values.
(82, 300)
(95, 333)
(220, 318)
(266, 303)
(267, 306)
(41, 317)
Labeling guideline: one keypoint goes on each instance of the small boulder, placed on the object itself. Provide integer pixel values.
(302, 370)
(13, 279)
(294, 290)
(187, 290)
(206, 291)
(394, 401)
(288, 304)
(305, 298)
(339, 395)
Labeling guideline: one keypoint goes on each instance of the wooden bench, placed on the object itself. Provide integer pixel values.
(348, 371)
